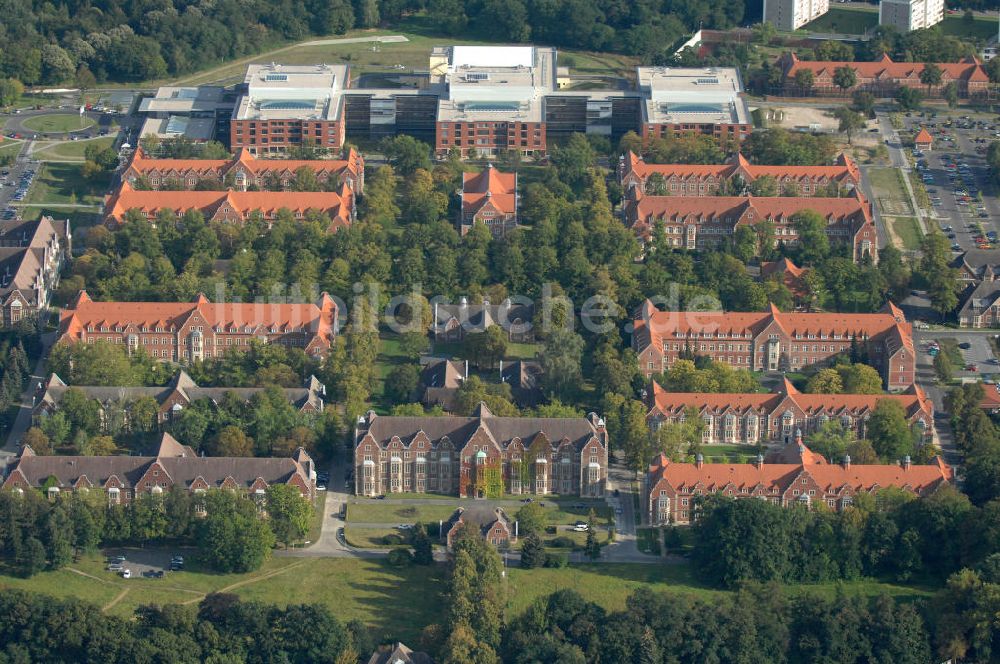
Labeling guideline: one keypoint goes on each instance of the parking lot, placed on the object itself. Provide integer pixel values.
(143, 563)
(956, 177)
(977, 354)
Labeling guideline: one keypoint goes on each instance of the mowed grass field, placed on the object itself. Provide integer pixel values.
(395, 602)
(844, 20)
(413, 55)
(64, 184)
(561, 511)
(70, 150)
(58, 122)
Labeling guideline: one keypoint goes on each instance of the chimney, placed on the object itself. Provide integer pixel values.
(760, 461)
(846, 463)
(699, 461)
(906, 462)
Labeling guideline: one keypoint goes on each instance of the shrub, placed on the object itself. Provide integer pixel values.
(556, 560)
(400, 558)
(563, 542)
(393, 539)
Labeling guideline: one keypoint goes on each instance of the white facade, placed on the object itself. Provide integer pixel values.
(791, 15)
(909, 15)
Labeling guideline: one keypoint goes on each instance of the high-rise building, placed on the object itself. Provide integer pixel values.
(793, 14)
(909, 15)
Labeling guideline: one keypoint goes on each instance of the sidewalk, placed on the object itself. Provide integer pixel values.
(23, 419)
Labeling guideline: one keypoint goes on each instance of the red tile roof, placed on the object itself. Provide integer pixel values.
(831, 477)
(653, 325)
(665, 402)
(888, 70)
(319, 319)
(141, 163)
(923, 137)
(718, 209)
(338, 206)
(489, 185)
(844, 169)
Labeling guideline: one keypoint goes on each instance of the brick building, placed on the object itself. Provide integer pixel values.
(884, 77)
(230, 206)
(704, 222)
(282, 106)
(123, 478)
(480, 456)
(749, 419)
(453, 321)
(679, 101)
(171, 399)
(244, 171)
(189, 331)
(490, 198)
(792, 277)
(713, 179)
(672, 489)
(492, 523)
(776, 341)
(32, 254)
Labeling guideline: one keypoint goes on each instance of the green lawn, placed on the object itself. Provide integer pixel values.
(609, 584)
(58, 122)
(889, 191)
(950, 348)
(71, 149)
(908, 231)
(844, 20)
(515, 351)
(380, 511)
(560, 511)
(9, 147)
(63, 183)
(979, 29)
(396, 603)
(367, 538)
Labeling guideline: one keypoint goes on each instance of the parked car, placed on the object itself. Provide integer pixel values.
(126, 574)
(965, 345)
(581, 527)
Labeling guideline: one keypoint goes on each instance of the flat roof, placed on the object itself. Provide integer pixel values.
(207, 98)
(196, 129)
(692, 95)
(498, 83)
(299, 92)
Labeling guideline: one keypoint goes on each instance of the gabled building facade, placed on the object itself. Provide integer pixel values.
(244, 171)
(493, 525)
(779, 417)
(884, 76)
(713, 179)
(236, 207)
(704, 222)
(123, 478)
(776, 341)
(453, 321)
(672, 489)
(188, 331)
(490, 198)
(32, 254)
(171, 399)
(480, 456)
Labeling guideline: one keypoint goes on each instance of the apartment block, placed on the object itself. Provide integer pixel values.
(910, 15)
(789, 15)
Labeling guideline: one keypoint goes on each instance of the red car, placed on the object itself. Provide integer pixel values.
(972, 368)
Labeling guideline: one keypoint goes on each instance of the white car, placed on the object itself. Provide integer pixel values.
(126, 574)
(581, 528)
(404, 526)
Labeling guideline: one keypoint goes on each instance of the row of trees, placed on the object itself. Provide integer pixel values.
(220, 628)
(891, 534)
(38, 534)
